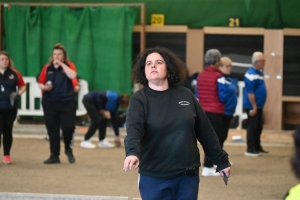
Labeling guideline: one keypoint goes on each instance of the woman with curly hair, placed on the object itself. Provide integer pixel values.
(163, 123)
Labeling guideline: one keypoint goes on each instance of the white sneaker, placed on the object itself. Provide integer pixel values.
(252, 154)
(87, 144)
(209, 171)
(105, 144)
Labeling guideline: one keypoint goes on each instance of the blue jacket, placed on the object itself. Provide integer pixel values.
(228, 93)
(254, 84)
(106, 100)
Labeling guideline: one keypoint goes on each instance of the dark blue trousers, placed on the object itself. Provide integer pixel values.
(184, 187)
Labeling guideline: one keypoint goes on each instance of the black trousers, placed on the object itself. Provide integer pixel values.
(254, 130)
(7, 118)
(216, 121)
(98, 121)
(60, 116)
(225, 129)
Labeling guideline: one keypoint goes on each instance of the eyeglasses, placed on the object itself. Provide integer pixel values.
(261, 61)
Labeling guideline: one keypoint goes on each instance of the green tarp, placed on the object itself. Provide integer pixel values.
(270, 14)
(98, 41)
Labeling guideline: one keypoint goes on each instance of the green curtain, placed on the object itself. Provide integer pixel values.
(98, 41)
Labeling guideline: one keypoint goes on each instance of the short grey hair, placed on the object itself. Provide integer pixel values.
(212, 56)
(255, 56)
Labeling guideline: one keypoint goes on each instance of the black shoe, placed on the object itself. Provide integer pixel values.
(263, 152)
(70, 155)
(53, 159)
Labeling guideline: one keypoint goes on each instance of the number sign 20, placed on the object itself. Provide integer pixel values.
(157, 20)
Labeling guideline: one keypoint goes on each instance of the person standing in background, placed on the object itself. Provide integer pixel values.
(228, 92)
(163, 124)
(10, 78)
(209, 99)
(97, 105)
(255, 95)
(57, 80)
(294, 192)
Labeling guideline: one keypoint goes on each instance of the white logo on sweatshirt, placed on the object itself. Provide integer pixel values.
(184, 103)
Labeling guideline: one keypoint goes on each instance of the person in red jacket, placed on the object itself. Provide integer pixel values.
(208, 95)
(57, 80)
(10, 78)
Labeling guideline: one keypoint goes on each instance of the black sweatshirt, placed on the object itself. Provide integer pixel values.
(162, 131)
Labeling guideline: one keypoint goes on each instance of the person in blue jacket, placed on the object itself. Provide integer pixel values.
(228, 93)
(98, 104)
(255, 95)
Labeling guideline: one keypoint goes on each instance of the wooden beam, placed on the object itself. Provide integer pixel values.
(162, 29)
(233, 31)
(291, 32)
(194, 50)
(143, 29)
(273, 71)
(1, 26)
(290, 99)
(76, 5)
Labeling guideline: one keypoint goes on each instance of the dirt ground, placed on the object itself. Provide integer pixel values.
(99, 172)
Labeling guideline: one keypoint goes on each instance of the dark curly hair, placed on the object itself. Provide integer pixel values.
(296, 157)
(176, 69)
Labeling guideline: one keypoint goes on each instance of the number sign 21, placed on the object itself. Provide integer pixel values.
(234, 22)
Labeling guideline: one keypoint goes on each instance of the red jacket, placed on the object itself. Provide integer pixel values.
(207, 86)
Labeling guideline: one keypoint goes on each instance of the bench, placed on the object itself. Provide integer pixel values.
(34, 92)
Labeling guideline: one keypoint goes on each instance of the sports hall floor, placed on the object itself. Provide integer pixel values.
(99, 171)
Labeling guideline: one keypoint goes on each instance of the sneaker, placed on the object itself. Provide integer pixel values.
(70, 156)
(105, 144)
(46, 138)
(209, 171)
(87, 144)
(7, 159)
(53, 159)
(252, 153)
(263, 152)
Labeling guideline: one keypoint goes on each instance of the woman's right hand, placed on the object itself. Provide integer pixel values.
(131, 162)
(57, 63)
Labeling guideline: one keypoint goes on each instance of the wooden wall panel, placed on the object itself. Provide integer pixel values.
(194, 50)
(291, 113)
(273, 50)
